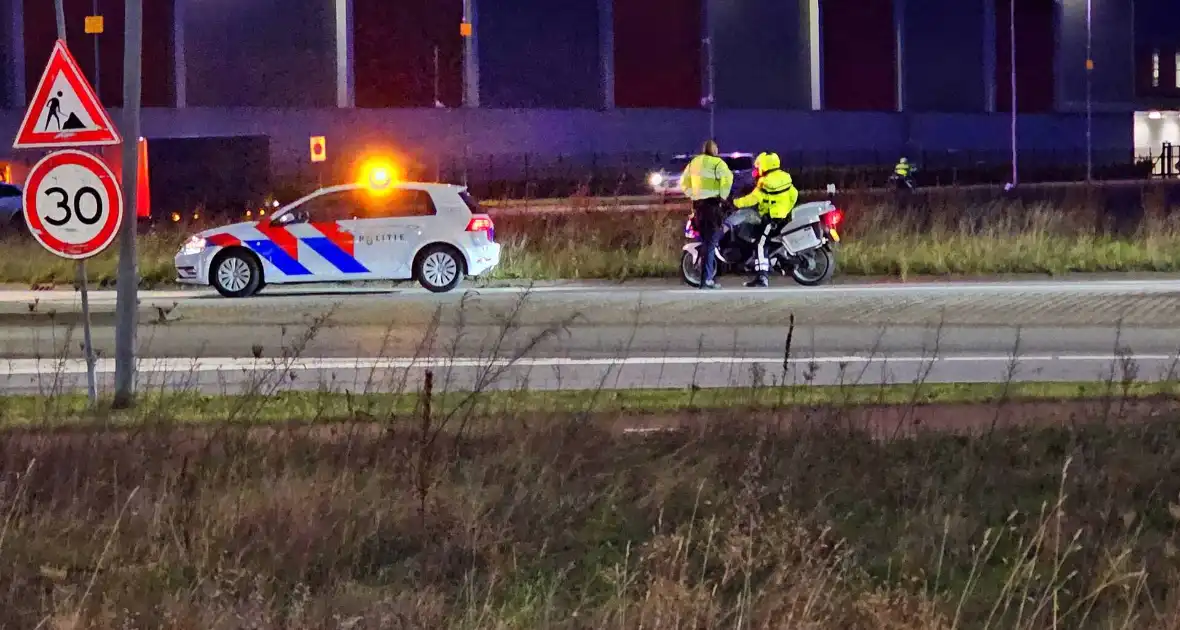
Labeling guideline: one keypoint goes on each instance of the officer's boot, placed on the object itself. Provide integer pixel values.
(760, 281)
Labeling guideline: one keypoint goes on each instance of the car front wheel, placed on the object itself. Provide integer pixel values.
(439, 269)
(236, 274)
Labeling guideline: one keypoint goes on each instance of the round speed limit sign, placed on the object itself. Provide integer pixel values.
(73, 204)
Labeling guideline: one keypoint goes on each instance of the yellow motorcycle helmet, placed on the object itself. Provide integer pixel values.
(767, 162)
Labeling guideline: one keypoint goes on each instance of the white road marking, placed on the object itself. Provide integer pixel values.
(329, 292)
(36, 367)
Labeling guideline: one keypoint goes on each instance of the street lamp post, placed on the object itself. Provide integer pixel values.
(1012, 78)
(710, 98)
(1089, 99)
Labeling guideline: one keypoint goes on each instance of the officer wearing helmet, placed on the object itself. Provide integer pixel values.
(902, 172)
(771, 201)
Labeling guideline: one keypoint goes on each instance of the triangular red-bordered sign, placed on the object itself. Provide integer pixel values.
(65, 111)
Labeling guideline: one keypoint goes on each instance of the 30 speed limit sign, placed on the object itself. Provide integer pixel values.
(73, 204)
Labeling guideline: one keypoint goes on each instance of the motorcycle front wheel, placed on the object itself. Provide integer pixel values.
(690, 272)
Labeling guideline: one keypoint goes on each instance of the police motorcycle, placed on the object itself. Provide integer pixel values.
(802, 246)
(903, 183)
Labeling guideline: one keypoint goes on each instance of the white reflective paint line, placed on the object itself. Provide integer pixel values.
(1095, 286)
(328, 291)
(33, 367)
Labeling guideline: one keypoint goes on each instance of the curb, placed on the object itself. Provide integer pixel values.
(664, 281)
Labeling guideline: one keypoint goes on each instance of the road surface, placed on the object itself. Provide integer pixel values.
(586, 335)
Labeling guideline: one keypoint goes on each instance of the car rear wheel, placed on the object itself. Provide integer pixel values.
(690, 270)
(236, 274)
(439, 269)
(814, 267)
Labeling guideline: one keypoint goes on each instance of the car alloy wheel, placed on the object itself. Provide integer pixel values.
(440, 269)
(234, 274)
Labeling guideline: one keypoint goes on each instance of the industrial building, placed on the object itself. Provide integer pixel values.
(850, 80)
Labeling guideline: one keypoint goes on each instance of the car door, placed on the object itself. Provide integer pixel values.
(391, 229)
(325, 234)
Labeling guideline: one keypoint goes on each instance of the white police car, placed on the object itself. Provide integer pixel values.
(432, 233)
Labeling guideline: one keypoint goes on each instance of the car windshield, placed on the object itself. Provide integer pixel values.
(8, 190)
(740, 163)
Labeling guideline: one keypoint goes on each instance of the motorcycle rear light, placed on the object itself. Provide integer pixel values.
(833, 219)
(482, 224)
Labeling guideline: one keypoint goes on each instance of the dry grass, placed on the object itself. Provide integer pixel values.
(1054, 231)
(566, 525)
(940, 237)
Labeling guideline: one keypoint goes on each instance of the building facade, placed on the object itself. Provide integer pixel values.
(853, 79)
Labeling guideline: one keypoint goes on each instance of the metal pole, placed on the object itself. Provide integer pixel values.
(1089, 96)
(127, 283)
(712, 85)
(470, 89)
(80, 267)
(59, 6)
(1012, 78)
(437, 105)
(97, 71)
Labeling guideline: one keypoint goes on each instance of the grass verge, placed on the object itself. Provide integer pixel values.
(562, 524)
(946, 233)
(333, 407)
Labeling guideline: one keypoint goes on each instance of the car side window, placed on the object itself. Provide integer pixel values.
(8, 190)
(338, 206)
(401, 203)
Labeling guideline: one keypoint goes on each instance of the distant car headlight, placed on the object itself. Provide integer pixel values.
(655, 179)
(194, 245)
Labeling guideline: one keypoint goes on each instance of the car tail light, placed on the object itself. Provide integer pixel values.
(482, 223)
(833, 219)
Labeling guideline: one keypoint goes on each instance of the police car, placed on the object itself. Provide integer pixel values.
(432, 233)
(12, 219)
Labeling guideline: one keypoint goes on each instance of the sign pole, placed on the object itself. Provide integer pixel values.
(80, 266)
(127, 282)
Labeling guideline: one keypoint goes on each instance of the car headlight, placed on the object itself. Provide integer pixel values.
(655, 179)
(194, 245)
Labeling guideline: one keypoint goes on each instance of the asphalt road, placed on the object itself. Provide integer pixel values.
(575, 336)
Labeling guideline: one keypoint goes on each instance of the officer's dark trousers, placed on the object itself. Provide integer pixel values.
(708, 216)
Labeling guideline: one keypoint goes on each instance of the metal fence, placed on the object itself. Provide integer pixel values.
(235, 181)
(531, 176)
